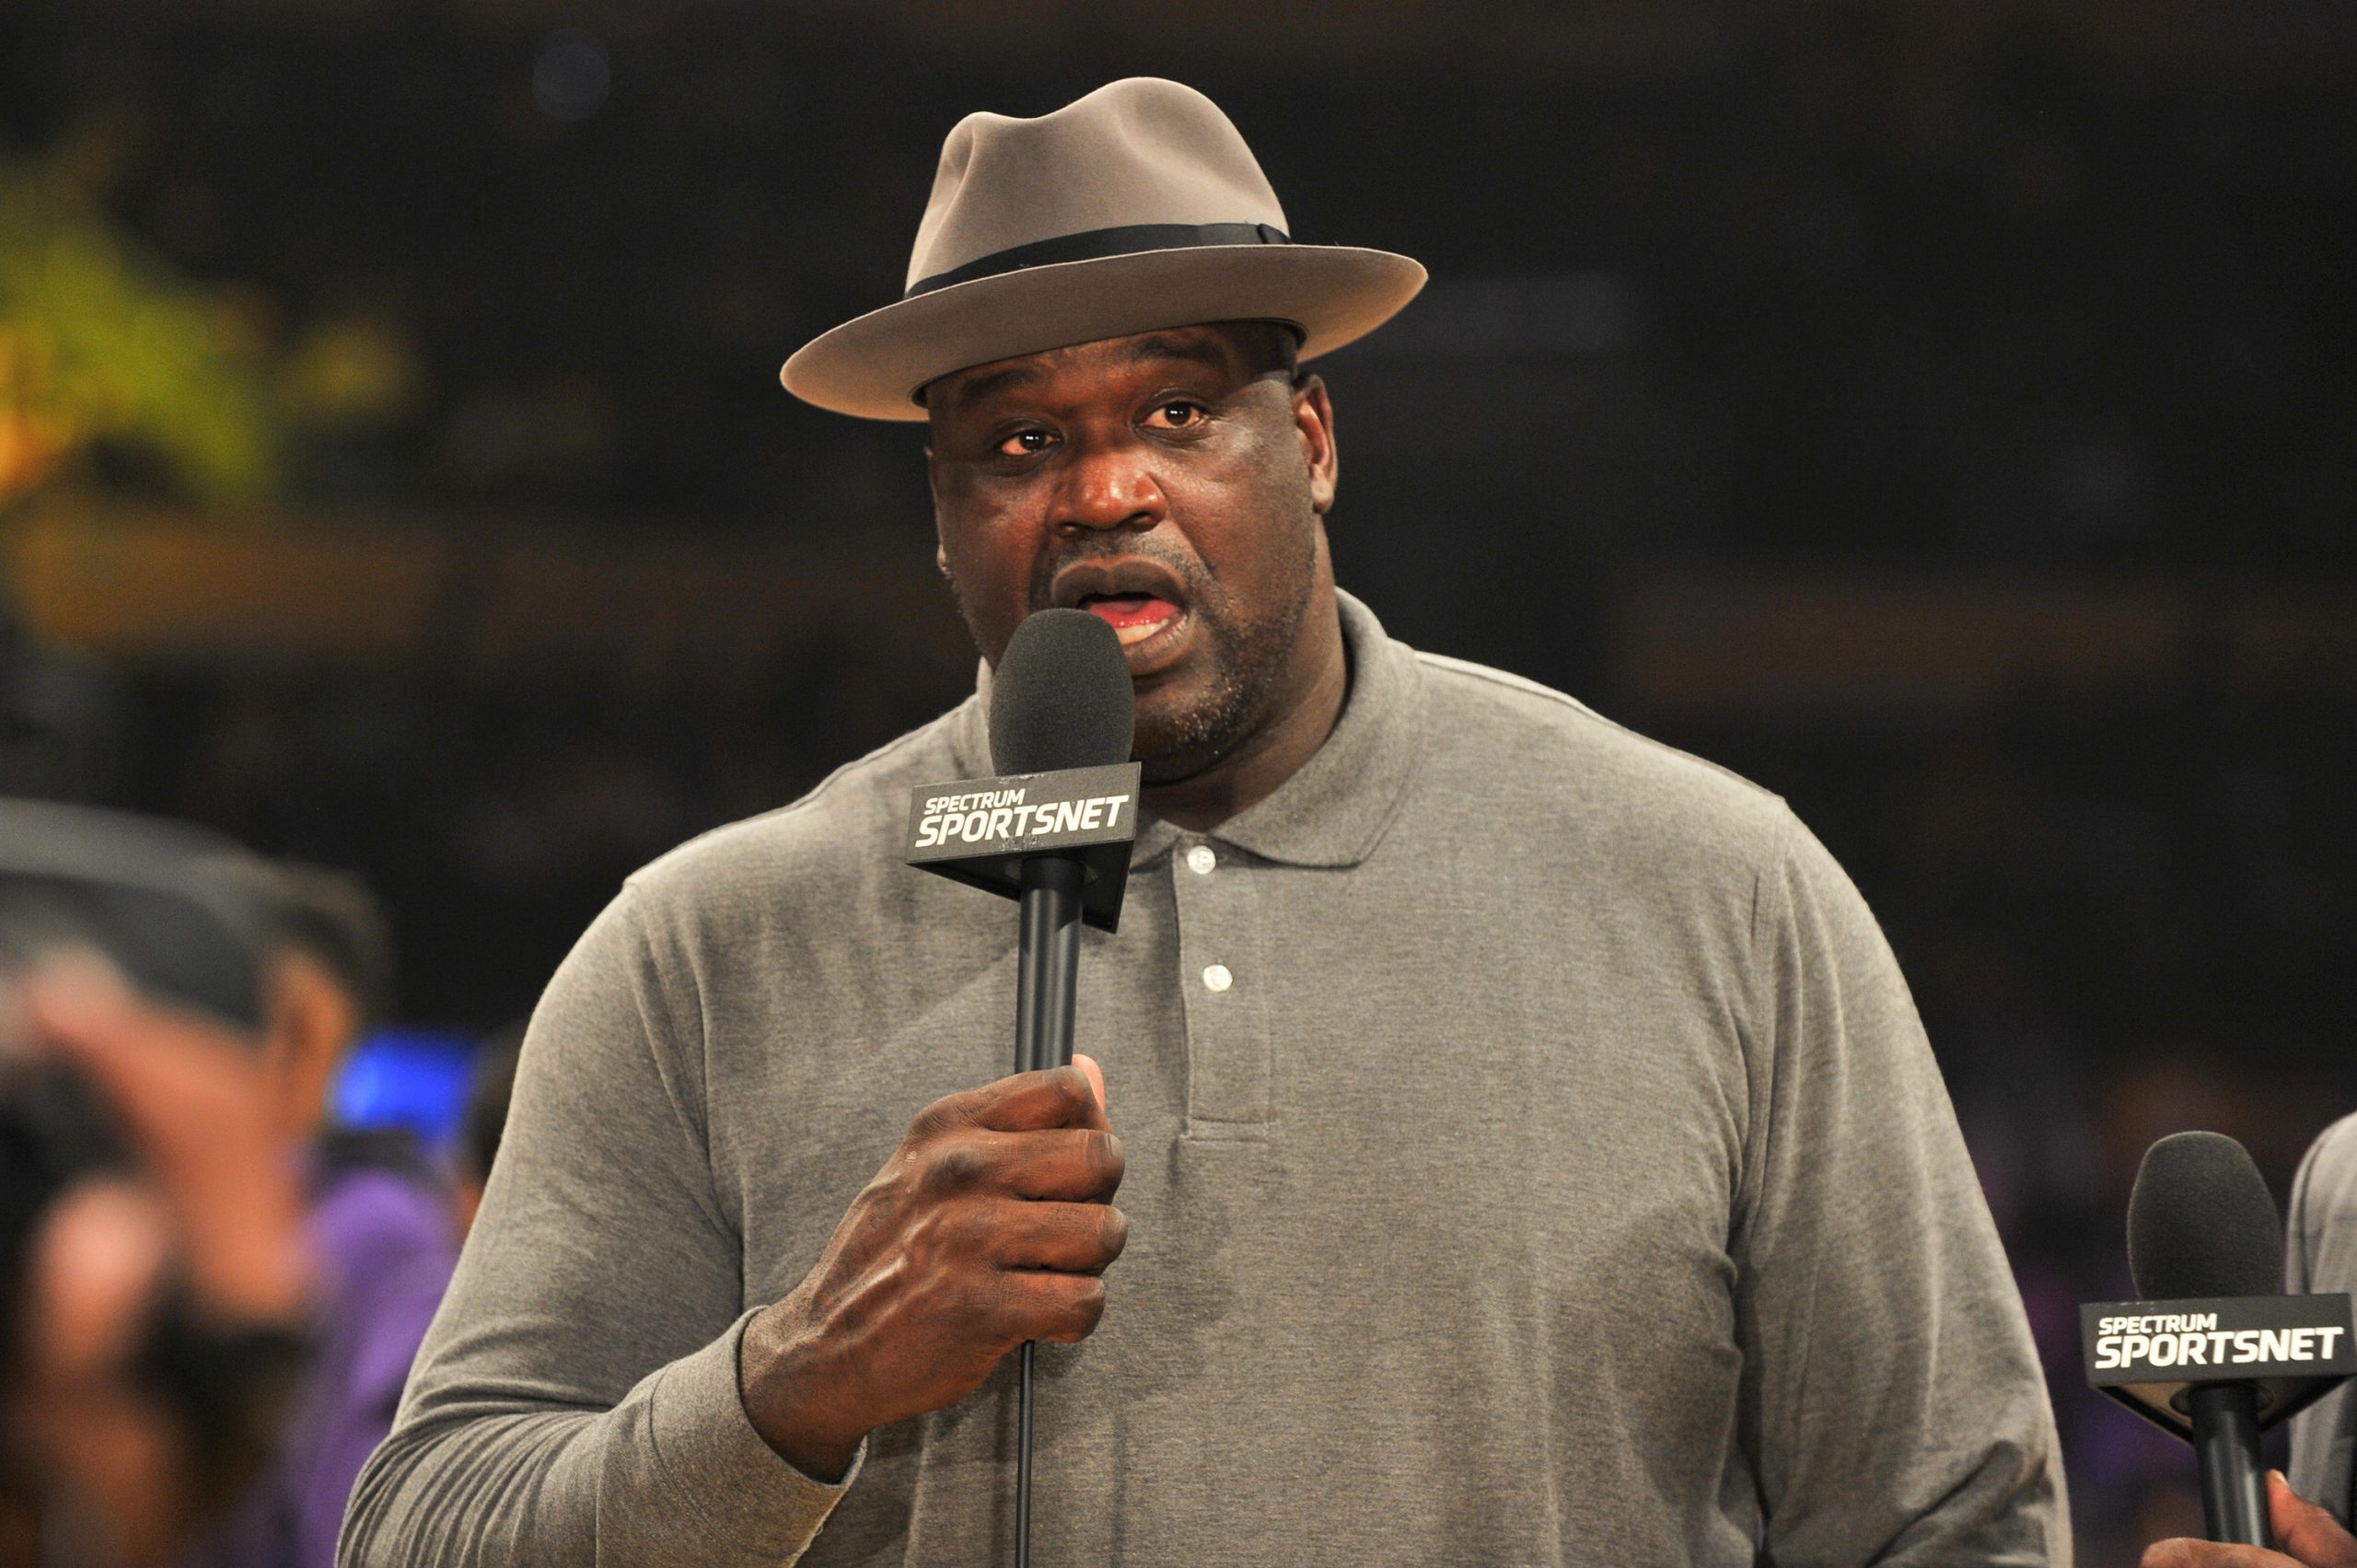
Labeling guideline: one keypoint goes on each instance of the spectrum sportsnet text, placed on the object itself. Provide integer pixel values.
(1003, 815)
(2200, 1343)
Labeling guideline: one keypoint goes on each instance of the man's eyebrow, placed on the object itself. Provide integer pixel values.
(1201, 349)
(1016, 375)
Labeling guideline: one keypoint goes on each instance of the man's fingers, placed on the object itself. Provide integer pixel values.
(2210, 1554)
(1087, 1065)
(2311, 1538)
(2307, 1532)
(193, 1099)
(1059, 1097)
(1074, 1238)
(81, 1004)
(1043, 1304)
(1072, 1164)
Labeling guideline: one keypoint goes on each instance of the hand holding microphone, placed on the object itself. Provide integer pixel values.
(2214, 1352)
(990, 1225)
(2310, 1537)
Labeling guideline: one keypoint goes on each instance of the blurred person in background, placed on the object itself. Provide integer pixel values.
(489, 1090)
(156, 1280)
(2320, 1255)
(379, 1222)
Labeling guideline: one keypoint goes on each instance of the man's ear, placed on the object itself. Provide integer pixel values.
(941, 559)
(1312, 421)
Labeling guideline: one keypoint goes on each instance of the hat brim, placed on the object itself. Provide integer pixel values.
(875, 365)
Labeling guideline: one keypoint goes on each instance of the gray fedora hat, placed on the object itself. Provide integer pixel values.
(1136, 207)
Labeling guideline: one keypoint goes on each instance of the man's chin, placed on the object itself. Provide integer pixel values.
(1174, 742)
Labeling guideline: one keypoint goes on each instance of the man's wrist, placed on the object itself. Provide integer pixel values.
(781, 1382)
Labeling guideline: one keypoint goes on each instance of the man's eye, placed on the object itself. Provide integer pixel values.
(1176, 415)
(1023, 443)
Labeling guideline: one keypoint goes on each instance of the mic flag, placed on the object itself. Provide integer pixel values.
(2148, 1354)
(980, 832)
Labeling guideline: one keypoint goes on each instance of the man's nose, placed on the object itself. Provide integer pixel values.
(1110, 486)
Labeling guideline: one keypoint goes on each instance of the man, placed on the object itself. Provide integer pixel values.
(378, 1220)
(1527, 1153)
(158, 1289)
(2320, 1254)
(490, 1085)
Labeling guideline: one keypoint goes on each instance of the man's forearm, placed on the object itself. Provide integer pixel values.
(673, 1475)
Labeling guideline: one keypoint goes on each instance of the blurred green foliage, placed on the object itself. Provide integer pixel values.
(102, 341)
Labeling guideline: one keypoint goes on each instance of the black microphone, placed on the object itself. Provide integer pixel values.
(1053, 832)
(2201, 1223)
(2215, 1353)
(1063, 715)
(1060, 703)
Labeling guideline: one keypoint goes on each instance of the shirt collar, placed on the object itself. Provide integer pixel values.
(1334, 810)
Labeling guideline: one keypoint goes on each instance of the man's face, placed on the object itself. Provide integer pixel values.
(1173, 483)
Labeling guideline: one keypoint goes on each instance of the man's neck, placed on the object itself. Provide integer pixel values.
(1275, 751)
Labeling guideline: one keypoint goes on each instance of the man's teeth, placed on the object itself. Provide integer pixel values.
(1140, 632)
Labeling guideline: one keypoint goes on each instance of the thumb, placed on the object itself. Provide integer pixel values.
(1096, 1075)
(2306, 1531)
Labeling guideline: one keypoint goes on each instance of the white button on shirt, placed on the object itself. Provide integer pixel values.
(1216, 978)
(1200, 860)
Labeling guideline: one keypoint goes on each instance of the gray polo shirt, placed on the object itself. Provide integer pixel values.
(1534, 1157)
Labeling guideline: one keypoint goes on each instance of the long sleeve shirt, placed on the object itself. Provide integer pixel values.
(1533, 1156)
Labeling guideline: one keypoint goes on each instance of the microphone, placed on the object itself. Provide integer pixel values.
(1062, 705)
(1053, 832)
(2214, 1352)
(1063, 716)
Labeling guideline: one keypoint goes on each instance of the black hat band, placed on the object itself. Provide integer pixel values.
(1093, 244)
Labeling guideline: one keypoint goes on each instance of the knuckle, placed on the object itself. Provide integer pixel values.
(955, 1168)
(935, 1119)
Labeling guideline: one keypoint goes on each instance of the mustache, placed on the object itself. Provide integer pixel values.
(1041, 594)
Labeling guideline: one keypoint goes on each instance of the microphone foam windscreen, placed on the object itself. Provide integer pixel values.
(1061, 696)
(2201, 1222)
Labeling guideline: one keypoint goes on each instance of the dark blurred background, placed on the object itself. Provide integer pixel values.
(1945, 415)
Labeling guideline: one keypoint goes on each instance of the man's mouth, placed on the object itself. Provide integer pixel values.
(1133, 616)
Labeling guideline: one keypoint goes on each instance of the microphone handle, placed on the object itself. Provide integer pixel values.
(1048, 971)
(1047, 979)
(2226, 1447)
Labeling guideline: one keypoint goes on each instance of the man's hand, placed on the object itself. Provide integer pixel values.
(215, 1199)
(195, 1101)
(2311, 1538)
(991, 1226)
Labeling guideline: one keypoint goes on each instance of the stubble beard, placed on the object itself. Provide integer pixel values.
(1249, 658)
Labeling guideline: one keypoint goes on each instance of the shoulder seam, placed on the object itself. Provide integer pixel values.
(1530, 688)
